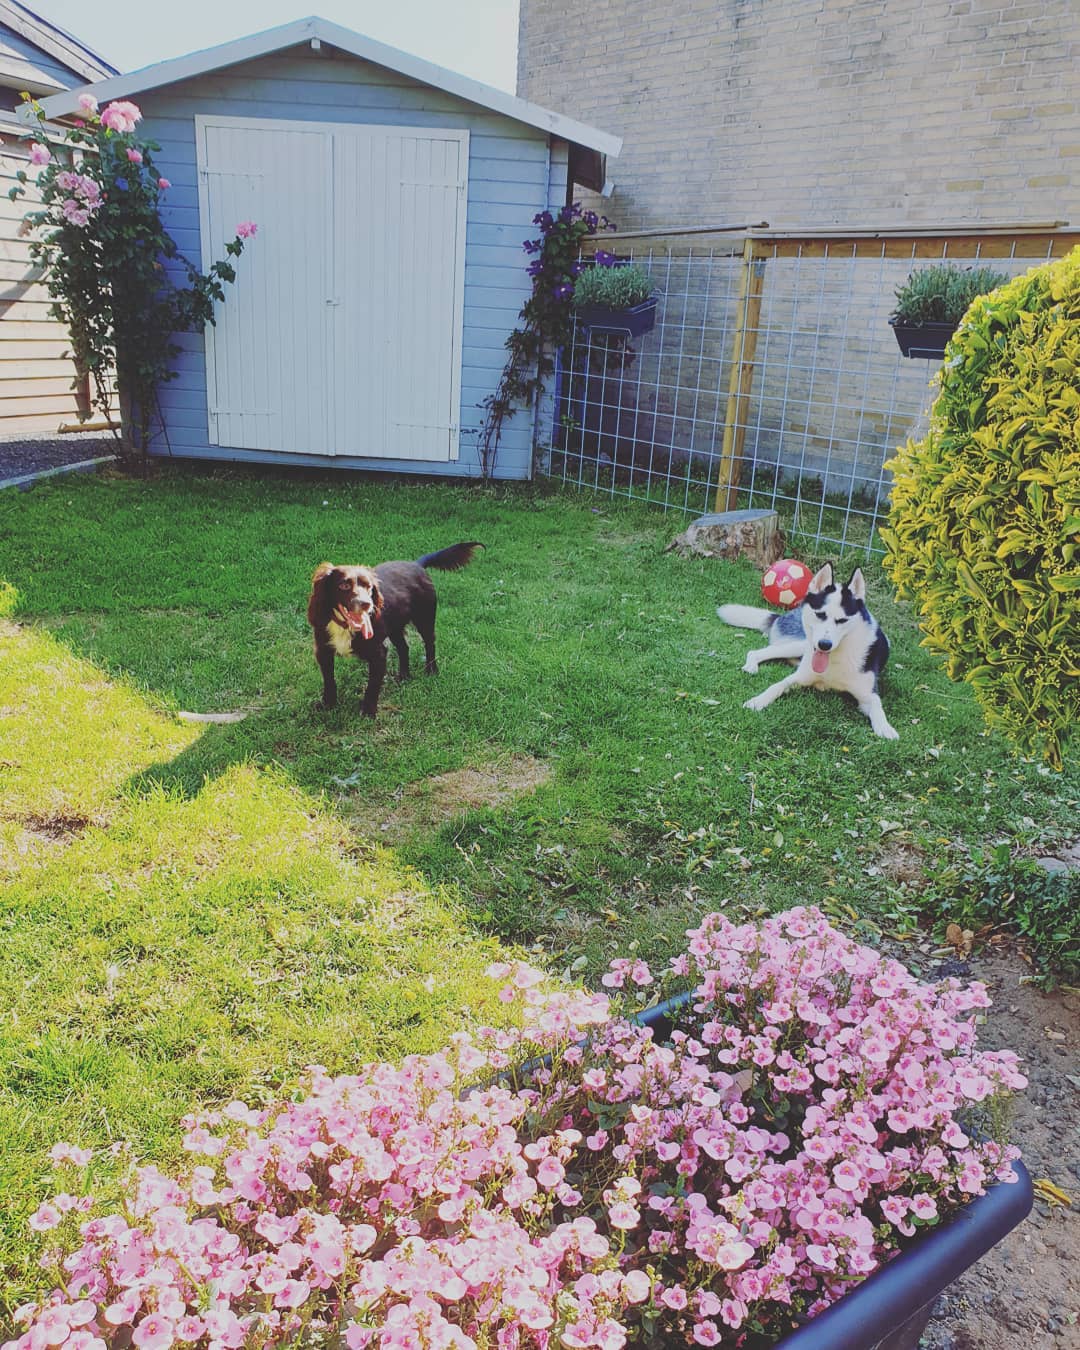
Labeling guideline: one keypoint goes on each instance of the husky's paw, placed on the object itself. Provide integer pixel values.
(756, 704)
(750, 665)
(887, 733)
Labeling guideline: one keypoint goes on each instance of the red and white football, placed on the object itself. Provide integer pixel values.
(786, 583)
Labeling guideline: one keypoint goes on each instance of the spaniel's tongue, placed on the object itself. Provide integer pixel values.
(820, 662)
(360, 623)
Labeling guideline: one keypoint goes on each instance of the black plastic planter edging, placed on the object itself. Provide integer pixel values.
(924, 341)
(885, 1300)
(888, 1297)
(636, 321)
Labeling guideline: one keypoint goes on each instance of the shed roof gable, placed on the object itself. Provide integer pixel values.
(61, 46)
(365, 48)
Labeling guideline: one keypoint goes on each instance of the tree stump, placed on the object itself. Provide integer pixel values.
(733, 534)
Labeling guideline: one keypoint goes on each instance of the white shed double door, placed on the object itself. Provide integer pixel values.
(342, 334)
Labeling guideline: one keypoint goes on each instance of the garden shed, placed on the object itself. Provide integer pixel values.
(392, 197)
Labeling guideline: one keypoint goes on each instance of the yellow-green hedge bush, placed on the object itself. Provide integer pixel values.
(984, 523)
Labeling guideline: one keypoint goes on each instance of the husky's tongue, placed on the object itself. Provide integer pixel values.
(820, 662)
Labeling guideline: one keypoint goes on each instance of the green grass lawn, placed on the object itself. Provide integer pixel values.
(193, 912)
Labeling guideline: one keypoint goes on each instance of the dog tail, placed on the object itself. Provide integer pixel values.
(450, 559)
(745, 616)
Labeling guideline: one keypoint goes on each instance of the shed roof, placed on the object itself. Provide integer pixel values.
(48, 37)
(367, 49)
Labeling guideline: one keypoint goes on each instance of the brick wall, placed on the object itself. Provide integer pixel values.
(820, 112)
(810, 114)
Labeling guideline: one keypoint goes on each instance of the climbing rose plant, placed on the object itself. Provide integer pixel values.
(117, 279)
(547, 319)
(812, 1109)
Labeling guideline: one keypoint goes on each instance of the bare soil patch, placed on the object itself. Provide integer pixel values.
(1026, 1291)
(38, 836)
(449, 796)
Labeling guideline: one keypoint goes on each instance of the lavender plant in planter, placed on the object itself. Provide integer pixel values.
(615, 296)
(931, 303)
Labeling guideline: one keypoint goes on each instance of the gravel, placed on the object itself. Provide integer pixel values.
(30, 454)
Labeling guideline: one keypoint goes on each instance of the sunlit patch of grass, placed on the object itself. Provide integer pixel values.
(69, 737)
(163, 949)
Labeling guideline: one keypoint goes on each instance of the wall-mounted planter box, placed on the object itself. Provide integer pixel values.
(890, 1309)
(924, 341)
(637, 320)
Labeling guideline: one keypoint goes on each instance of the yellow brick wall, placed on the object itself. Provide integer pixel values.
(820, 112)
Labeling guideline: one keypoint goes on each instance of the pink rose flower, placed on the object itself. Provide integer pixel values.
(121, 117)
(88, 103)
(39, 154)
(246, 229)
(135, 156)
(163, 183)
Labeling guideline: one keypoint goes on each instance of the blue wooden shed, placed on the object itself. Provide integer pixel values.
(392, 198)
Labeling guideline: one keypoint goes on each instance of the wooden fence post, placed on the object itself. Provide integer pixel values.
(740, 382)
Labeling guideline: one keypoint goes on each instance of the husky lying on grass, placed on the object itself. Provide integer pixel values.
(833, 637)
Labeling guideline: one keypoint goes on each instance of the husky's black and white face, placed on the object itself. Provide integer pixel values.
(830, 613)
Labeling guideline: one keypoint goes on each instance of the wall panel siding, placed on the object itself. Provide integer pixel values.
(36, 393)
(508, 185)
(36, 378)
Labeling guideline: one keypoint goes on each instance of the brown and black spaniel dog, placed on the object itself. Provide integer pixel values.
(353, 610)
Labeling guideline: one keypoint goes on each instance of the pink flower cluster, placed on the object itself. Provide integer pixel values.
(811, 1109)
(84, 196)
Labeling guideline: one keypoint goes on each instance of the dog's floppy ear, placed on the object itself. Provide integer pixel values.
(822, 579)
(317, 599)
(857, 586)
(376, 594)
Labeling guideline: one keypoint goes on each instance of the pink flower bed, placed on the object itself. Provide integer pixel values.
(809, 1114)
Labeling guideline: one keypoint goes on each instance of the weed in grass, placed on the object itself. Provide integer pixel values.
(992, 889)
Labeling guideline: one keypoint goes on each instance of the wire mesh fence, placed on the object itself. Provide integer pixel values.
(771, 377)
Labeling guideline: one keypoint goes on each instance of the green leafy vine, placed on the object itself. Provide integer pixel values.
(547, 319)
(117, 280)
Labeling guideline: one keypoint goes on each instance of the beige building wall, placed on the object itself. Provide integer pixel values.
(820, 112)
(40, 388)
(808, 114)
